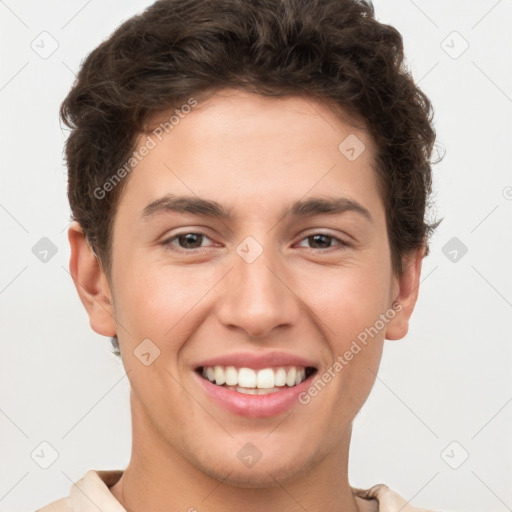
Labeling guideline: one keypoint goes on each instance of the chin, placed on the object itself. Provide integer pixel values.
(272, 472)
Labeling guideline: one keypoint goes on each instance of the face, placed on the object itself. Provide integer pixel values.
(269, 284)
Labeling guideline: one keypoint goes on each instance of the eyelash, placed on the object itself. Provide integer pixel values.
(167, 242)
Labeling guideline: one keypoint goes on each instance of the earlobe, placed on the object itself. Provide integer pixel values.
(91, 283)
(408, 288)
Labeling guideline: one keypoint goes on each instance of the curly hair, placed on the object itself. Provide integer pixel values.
(333, 50)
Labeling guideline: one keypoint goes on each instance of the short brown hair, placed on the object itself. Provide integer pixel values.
(330, 49)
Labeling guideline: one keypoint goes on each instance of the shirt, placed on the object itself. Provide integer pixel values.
(91, 493)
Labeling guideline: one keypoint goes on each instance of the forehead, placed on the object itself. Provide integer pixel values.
(233, 143)
(241, 112)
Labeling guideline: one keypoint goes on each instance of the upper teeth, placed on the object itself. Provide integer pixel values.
(265, 378)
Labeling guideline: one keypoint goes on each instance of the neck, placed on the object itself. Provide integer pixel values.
(159, 478)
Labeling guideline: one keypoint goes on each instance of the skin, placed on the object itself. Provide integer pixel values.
(254, 155)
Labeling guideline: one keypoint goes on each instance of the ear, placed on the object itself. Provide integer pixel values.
(405, 294)
(91, 283)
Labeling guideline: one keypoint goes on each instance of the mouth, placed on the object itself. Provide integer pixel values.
(261, 381)
(257, 384)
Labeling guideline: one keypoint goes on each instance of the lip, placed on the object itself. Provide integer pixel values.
(253, 406)
(258, 361)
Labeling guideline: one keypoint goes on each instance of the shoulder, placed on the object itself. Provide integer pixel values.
(388, 500)
(62, 505)
(92, 488)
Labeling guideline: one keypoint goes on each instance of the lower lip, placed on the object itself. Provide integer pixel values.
(254, 406)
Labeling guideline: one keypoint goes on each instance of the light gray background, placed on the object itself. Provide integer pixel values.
(449, 380)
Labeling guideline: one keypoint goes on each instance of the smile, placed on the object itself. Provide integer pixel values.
(256, 382)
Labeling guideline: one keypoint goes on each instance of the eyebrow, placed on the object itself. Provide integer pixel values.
(302, 208)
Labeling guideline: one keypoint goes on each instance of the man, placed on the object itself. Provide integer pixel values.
(248, 182)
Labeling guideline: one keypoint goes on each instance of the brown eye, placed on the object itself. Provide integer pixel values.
(186, 241)
(190, 240)
(320, 241)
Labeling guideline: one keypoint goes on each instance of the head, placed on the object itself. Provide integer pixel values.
(305, 145)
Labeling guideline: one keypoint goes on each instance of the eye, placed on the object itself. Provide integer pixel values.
(186, 241)
(324, 241)
(190, 241)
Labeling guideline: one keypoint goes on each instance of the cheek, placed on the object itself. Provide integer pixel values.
(351, 307)
(351, 300)
(159, 301)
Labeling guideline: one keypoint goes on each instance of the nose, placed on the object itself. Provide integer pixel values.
(256, 296)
